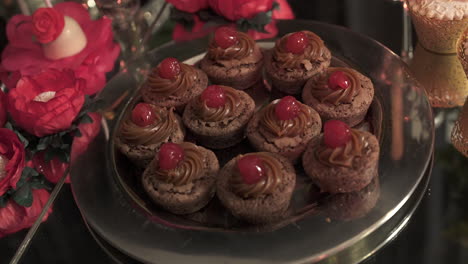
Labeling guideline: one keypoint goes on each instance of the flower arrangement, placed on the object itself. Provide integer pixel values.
(197, 18)
(54, 64)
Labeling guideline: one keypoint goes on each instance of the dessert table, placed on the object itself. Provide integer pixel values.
(437, 232)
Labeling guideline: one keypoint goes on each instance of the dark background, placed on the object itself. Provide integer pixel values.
(437, 233)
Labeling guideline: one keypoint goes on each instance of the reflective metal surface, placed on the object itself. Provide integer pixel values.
(406, 147)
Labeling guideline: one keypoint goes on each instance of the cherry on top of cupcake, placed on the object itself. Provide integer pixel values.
(336, 133)
(169, 68)
(225, 37)
(251, 168)
(170, 155)
(287, 108)
(214, 96)
(297, 42)
(143, 115)
(338, 80)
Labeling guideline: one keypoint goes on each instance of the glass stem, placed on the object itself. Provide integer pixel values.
(407, 40)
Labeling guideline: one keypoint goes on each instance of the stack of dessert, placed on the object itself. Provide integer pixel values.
(209, 102)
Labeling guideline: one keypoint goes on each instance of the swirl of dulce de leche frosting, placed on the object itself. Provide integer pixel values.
(271, 180)
(285, 128)
(312, 52)
(165, 124)
(243, 48)
(323, 93)
(188, 170)
(344, 155)
(209, 114)
(167, 87)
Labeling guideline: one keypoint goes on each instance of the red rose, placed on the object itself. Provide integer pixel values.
(48, 23)
(46, 103)
(284, 11)
(9, 79)
(23, 54)
(271, 30)
(88, 132)
(190, 6)
(14, 217)
(199, 30)
(3, 114)
(52, 170)
(237, 9)
(11, 159)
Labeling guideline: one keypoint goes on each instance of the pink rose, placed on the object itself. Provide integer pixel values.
(12, 158)
(46, 103)
(48, 23)
(190, 6)
(25, 55)
(14, 217)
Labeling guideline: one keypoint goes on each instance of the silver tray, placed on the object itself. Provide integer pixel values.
(148, 235)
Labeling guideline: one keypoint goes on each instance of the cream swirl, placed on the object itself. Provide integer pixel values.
(243, 48)
(273, 178)
(324, 94)
(344, 155)
(312, 53)
(164, 125)
(166, 87)
(210, 114)
(188, 170)
(285, 128)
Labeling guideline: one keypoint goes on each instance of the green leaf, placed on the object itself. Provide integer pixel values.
(86, 119)
(44, 143)
(8, 125)
(78, 133)
(22, 139)
(23, 196)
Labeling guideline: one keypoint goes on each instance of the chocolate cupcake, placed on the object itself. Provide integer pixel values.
(145, 129)
(182, 177)
(285, 127)
(173, 84)
(295, 58)
(257, 187)
(341, 94)
(218, 116)
(233, 59)
(343, 159)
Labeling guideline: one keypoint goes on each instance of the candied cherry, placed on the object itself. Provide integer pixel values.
(251, 169)
(169, 68)
(225, 37)
(338, 80)
(214, 96)
(336, 133)
(143, 115)
(170, 155)
(296, 42)
(287, 108)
